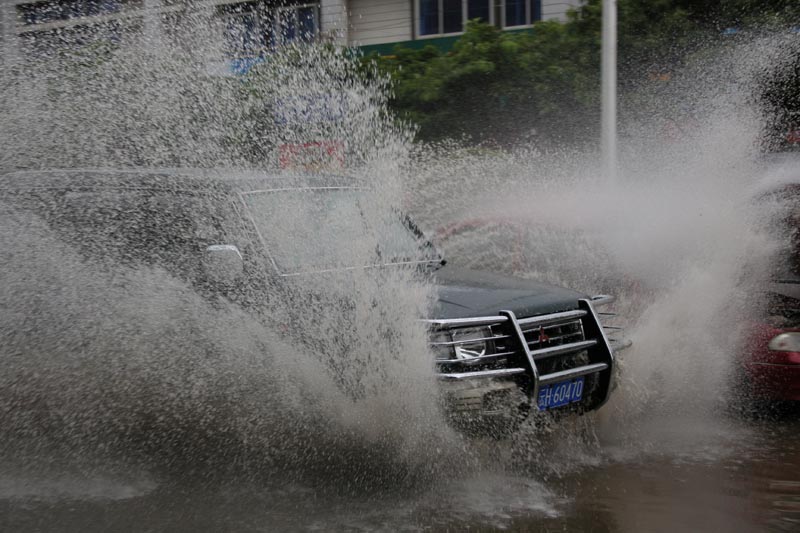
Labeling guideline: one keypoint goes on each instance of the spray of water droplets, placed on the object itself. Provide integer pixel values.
(129, 361)
(133, 362)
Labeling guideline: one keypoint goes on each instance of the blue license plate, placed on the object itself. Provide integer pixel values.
(559, 394)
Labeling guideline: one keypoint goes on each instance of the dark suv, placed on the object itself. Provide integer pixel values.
(502, 346)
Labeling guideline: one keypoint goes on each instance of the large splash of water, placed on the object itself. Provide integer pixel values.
(679, 237)
(134, 363)
(131, 363)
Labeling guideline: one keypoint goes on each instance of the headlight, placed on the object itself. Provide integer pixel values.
(785, 342)
(463, 343)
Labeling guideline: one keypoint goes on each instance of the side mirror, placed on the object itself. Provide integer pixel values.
(223, 264)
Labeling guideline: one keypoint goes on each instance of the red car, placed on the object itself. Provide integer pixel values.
(773, 363)
(771, 356)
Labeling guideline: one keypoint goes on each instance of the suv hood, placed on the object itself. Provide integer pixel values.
(468, 293)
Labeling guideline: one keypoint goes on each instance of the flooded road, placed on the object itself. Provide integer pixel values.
(751, 483)
(745, 479)
(132, 400)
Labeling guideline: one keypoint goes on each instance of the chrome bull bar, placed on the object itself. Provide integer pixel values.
(596, 345)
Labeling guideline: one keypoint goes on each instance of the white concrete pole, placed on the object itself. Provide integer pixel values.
(152, 22)
(9, 42)
(608, 137)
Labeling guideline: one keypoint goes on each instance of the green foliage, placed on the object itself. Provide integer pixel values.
(493, 85)
(496, 85)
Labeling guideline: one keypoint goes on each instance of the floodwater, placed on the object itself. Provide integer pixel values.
(129, 402)
(747, 479)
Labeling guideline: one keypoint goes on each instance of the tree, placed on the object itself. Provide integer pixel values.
(496, 85)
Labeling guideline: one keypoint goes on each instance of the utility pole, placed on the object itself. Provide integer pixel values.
(608, 136)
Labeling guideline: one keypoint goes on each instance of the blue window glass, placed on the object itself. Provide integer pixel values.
(51, 11)
(73, 9)
(248, 29)
(515, 12)
(428, 17)
(34, 13)
(452, 16)
(478, 9)
(288, 26)
(243, 35)
(100, 7)
(91, 7)
(108, 6)
(308, 23)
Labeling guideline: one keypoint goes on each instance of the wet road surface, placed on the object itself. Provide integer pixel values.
(734, 475)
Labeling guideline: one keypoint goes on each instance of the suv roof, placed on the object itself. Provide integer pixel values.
(168, 179)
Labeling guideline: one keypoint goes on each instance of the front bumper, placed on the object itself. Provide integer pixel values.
(479, 391)
(774, 381)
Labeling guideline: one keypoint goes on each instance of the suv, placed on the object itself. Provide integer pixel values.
(502, 346)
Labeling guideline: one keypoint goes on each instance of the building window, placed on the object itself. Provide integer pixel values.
(479, 9)
(51, 25)
(296, 23)
(429, 17)
(441, 17)
(517, 13)
(452, 16)
(248, 28)
(61, 10)
(44, 43)
(254, 28)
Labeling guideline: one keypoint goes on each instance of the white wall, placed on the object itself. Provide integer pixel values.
(379, 21)
(334, 20)
(557, 9)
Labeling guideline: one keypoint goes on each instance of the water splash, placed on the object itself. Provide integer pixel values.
(679, 239)
(133, 363)
(189, 385)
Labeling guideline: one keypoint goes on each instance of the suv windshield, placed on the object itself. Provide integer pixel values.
(315, 229)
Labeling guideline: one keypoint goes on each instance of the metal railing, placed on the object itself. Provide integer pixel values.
(577, 331)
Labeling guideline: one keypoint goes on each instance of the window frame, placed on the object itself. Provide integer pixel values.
(528, 15)
(280, 39)
(26, 18)
(274, 38)
(530, 11)
(489, 3)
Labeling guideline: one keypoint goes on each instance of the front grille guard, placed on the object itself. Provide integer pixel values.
(523, 361)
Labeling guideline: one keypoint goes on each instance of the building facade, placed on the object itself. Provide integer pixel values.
(252, 28)
(380, 24)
